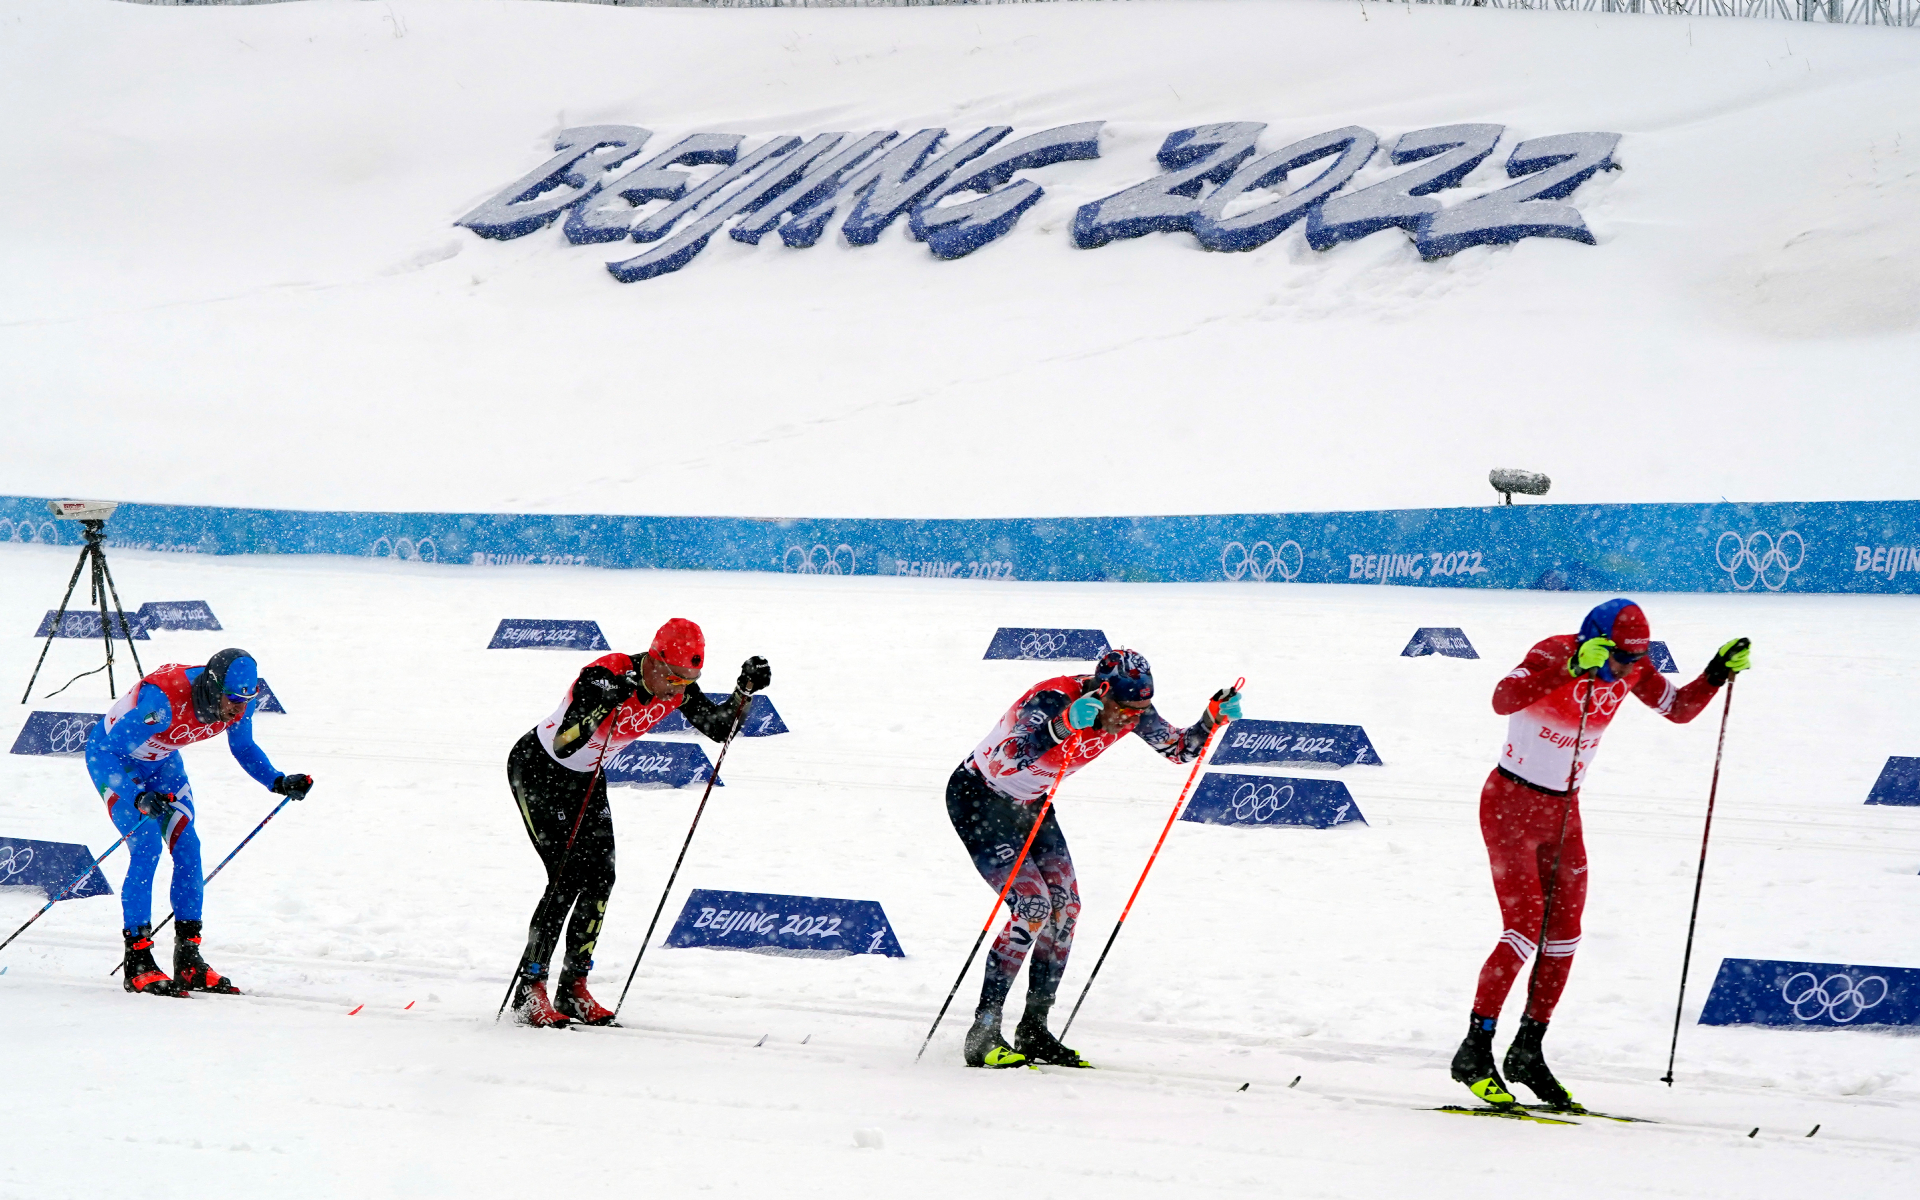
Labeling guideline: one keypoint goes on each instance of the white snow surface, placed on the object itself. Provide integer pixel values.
(374, 925)
(232, 274)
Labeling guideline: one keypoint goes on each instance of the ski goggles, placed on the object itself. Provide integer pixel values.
(677, 679)
(1625, 655)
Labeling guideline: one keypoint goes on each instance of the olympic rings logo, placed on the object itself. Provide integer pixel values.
(406, 549)
(631, 723)
(1041, 643)
(13, 860)
(27, 531)
(1759, 558)
(1254, 803)
(1839, 998)
(69, 735)
(817, 560)
(1262, 561)
(1605, 697)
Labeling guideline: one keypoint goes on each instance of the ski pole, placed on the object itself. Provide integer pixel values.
(63, 891)
(740, 720)
(1179, 804)
(1699, 878)
(1559, 846)
(1018, 862)
(223, 862)
(566, 856)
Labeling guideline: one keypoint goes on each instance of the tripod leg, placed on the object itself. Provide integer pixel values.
(100, 602)
(59, 618)
(125, 627)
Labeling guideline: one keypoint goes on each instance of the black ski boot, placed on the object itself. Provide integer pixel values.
(191, 971)
(1527, 1066)
(1473, 1065)
(985, 1046)
(138, 971)
(1031, 1039)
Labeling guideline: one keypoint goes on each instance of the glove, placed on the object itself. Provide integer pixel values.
(1591, 656)
(1224, 707)
(1734, 657)
(293, 785)
(755, 675)
(154, 804)
(1082, 713)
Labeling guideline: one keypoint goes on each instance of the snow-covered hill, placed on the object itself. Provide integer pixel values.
(232, 274)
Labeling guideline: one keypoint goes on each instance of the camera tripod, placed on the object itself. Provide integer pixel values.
(94, 553)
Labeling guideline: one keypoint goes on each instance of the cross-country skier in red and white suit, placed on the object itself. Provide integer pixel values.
(1527, 801)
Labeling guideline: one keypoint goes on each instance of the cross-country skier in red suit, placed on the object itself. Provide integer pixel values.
(992, 798)
(1527, 800)
(555, 772)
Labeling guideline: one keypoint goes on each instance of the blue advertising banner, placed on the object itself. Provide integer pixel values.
(85, 623)
(648, 763)
(50, 867)
(269, 703)
(799, 926)
(522, 634)
(1758, 991)
(1443, 639)
(178, 614)
(1295, 744)
(762, 719)
(55, 733)
(1224, 799)
(1662, 658)
(1841, 546)
(1899, 782)
(1087, 644)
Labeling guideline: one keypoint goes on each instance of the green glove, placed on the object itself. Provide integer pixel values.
(1734, 657)
(1591, 656)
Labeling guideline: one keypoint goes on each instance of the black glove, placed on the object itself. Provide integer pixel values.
(1732, 657)
(154, 804)
(755, 675)
(293, 785)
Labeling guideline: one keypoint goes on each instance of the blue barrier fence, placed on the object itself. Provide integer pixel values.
(1841, 546)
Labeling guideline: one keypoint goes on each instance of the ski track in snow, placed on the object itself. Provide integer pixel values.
(1343, 957)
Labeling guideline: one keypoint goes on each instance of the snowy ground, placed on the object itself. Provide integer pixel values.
(242, 218)
(1345, 957)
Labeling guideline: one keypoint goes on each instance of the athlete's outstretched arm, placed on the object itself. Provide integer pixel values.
(1179, 745)
(151, 714)
(252, 759)
(1678, 705)
(1543, 670)
(714, 721)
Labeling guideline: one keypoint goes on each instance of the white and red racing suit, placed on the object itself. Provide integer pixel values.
(1023, 754)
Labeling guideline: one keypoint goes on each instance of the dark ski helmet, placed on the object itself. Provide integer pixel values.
(231, 673)
(1128, 677)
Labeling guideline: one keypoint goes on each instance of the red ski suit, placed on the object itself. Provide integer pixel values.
(1526, 798)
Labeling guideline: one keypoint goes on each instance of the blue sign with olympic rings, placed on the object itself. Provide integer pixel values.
(50, 867)
(63, 733)
(1075, 644)
(1225, 799)
(1756, 991)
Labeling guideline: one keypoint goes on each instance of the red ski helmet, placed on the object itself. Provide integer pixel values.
(681, 646)
(1621, 620)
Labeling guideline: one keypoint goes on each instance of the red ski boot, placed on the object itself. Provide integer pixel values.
(191, 971)
(576, 1002)
(531, 1006)
(139, 973)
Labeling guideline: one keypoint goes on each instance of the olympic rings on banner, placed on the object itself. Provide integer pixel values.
(1254, 803)
(1839, 998)
(13, 860)
(406, 549)
(26, 531)
(817, 560)
(69, 735)
(1759, 558)
(1261, 561)
(1042, 643)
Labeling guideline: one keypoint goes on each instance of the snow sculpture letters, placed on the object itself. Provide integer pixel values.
(1215, 185)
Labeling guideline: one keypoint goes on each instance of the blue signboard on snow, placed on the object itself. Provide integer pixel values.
(50, 867)
(1075, 644)
(1758, 991)
(269, 703)
(178, 614)
(798, 926)
(762, 719)
(1294, 744)
(85, 623)
(55, 733)
(646, 763)
(1225, 799)
(1662, 658)
(1443, 639)
(1899, 782)
(518, 634)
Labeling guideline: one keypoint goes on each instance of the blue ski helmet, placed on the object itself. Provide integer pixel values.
(1622, 622)
(232, 672)
(1126, 674)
